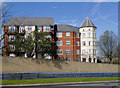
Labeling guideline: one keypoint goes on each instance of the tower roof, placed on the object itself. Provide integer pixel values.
(87, 23)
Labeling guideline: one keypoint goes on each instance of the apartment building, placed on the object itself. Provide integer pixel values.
(24, 26)
(68, 42)
(73, 43)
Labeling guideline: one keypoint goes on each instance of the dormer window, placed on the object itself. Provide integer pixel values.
(21, 29)
(29, 27)
(39, 29)
(12, 29)
(46, 29)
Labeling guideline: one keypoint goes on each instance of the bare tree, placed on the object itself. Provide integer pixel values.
(107, 45)
(5, 15)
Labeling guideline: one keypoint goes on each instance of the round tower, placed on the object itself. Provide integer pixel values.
(88, 41)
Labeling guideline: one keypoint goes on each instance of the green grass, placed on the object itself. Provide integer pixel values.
(56, 80)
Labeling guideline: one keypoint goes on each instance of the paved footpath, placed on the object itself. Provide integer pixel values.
(94, 84)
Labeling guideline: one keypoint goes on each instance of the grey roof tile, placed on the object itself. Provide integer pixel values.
(87, 23)
(66, 28)
(31, 21)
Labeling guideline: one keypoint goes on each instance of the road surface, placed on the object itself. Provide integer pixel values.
(72, 85)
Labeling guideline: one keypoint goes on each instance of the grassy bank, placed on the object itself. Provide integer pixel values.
(56, 80)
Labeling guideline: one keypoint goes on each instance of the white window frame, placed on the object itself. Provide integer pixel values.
(21, 29)
(67, 50)
(83, 35)
(89, 51)
(46, 29)
(59, 51)
(59, 43)
(39, 28)
(67, 42)
(59, 34)
(89, 43)
(12, 29)
(89, 35)
(83, 51)
(84, 43)
(77, 43)
(67, 33)
(30, 28)
(11, 38)
(48, 36)
(77, 52)
(77, 35)
(12, 47)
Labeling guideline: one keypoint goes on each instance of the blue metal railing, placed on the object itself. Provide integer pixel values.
(9, 76)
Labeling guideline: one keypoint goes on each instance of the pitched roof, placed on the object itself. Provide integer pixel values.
(87, 23)
(31, 21)
(66, 28)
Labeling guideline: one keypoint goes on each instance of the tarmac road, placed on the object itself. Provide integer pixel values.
(72, 85)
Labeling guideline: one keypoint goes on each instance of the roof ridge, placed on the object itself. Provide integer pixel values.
(67, 25)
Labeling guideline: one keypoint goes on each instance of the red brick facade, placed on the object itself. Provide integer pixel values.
(72, 46)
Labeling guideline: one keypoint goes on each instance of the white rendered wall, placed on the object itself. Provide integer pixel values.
(87, 47)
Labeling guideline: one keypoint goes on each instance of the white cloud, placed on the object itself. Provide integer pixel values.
(96, 10)
(54, 7)
(69, 21)
(73, 24)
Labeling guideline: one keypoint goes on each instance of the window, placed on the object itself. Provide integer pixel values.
(83, 51)
(84, 59)
(77, 35)
(83, 29)
(90, 60)
(94, 43)
(67, 42)
(59, 34)
(21, 29)
(11, 38)
(12, 55)
(29, 37)
(93, 51)
(77, 52)
(95, 35)
(89, 51)
(29, 27)
(21, 38)
(59, 43)
(67, 50)
(59, 51)
(89, 43)
(89, 34)
(94, 29)
(48, 36)
(84, 43)
(12, 29)
(77, 43)
(83, 35)
(67, 33)
(12, 47)
(89, 29)
(39, 29)
(46, 29)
